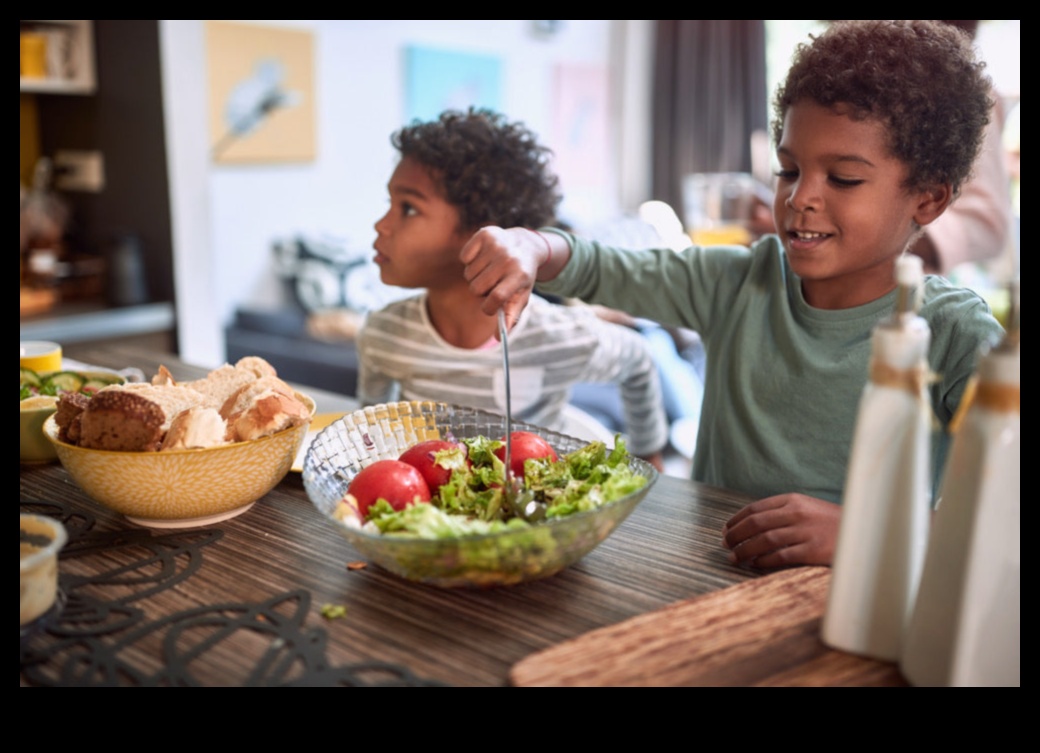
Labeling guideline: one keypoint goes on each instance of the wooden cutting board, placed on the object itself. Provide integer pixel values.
(760, 632)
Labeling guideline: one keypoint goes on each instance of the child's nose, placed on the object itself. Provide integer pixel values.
(804, 196)
(380, 225)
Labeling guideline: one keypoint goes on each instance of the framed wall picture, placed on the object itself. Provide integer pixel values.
(580, 128)
(438, 80)
(261, 93)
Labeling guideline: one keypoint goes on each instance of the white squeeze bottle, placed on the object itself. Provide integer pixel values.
(887, 499)
(965, 626)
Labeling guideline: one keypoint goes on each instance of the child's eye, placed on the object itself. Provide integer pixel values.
(408, 210)
(786, 174)
(844, 182)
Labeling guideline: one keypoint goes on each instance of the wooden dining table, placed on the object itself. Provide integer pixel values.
(275, 596)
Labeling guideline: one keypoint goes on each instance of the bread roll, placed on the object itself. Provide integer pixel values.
(195, 428)
(220, 384)
(264, 406)
(121, 420)
(230, 404)
(256, 365)
(171, 398)
(67, 415)
(163, 377)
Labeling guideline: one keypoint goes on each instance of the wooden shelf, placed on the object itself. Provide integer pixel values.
(70, 59)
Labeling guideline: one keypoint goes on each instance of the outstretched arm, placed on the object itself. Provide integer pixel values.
(502, 266)
(623, 356)
(788, 529)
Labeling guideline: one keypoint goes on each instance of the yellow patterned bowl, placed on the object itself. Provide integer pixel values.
(182, 488)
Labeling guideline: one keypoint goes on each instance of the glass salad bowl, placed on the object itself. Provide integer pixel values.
(506, 557)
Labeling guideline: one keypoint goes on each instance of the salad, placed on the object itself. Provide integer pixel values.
(471, 501)
(55, 384)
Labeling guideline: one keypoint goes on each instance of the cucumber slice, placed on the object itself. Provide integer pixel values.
(93, 385)
(30, 377)
(67, 381)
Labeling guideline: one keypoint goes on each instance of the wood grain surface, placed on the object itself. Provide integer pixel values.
(657, 604)
(668, 549)
(761, 632)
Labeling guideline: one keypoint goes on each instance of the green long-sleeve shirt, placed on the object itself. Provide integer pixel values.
(783, 379)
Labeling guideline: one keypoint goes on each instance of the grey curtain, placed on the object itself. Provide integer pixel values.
(709, 95)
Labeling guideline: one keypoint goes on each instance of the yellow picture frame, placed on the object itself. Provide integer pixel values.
(261, 93)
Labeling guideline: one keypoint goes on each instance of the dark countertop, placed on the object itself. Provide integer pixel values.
(86, 322)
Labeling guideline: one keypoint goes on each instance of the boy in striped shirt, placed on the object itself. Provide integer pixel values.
(457, 174)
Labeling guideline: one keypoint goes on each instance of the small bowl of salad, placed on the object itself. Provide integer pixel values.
(39, 393)
(449, 523)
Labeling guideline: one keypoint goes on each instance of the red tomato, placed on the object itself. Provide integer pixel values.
(398, 483)
(424, 457)
(525, 445)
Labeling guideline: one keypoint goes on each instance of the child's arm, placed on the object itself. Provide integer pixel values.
(788, 529)
(623, 357)
(373, 386)
(503, 265)
(656, 459)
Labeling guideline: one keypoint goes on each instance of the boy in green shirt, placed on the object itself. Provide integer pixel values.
(876, 128)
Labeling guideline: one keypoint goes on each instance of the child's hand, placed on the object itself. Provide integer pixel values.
(655, 459)
(502, 266)
(788, 529)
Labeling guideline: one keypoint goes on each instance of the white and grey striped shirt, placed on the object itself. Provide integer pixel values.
(551, 348)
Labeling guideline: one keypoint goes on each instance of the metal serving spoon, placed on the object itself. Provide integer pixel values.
(521, 501)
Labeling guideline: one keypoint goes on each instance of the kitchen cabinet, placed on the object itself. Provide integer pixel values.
(58, 57)
(112, 108)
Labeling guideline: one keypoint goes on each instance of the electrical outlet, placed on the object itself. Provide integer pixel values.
(79, 171)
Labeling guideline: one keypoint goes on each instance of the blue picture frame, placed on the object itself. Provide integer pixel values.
(439, 80)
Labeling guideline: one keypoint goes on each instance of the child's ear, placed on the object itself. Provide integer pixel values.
(933, 201)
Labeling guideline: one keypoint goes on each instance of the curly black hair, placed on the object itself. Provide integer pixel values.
(493, 171)
(919, 78)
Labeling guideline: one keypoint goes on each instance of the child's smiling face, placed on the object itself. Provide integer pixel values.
(841, 207)
(419, 238)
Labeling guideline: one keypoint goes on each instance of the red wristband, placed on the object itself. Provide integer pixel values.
(548, 246)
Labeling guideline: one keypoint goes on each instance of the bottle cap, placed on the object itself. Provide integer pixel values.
(909, 271)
